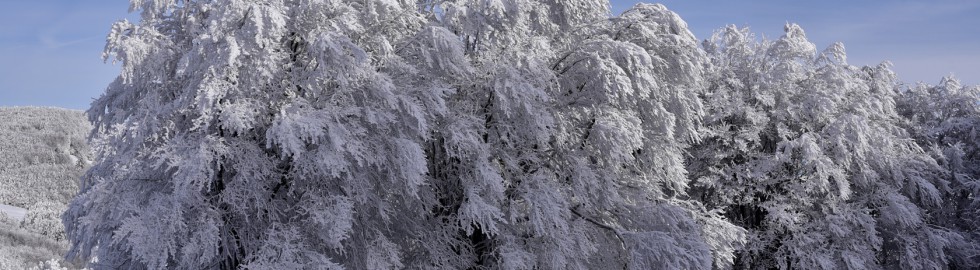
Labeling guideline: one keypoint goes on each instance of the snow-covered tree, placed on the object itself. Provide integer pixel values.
(396, 134)
(507, 166)
(630, 110)
(257, 134)
(806, 152)
(945, 118)
(759, 162)
(514, 134)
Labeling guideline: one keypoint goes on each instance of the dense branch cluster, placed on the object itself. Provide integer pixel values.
(513, 134)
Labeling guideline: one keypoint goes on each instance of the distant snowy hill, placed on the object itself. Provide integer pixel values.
(43, 152)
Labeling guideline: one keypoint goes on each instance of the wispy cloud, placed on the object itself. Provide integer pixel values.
(51, 51)
(51, 41)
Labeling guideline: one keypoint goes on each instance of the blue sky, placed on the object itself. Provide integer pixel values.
(50, 50)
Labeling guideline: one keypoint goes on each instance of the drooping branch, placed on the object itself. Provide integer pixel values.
(610, 228)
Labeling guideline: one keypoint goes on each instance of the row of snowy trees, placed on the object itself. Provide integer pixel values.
(515, 134)
(814, 157)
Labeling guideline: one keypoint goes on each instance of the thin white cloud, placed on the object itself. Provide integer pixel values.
(50, 41)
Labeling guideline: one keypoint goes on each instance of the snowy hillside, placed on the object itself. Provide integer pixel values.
(43, 153)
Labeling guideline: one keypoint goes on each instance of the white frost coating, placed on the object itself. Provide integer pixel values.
(809, 154)
(521, 134)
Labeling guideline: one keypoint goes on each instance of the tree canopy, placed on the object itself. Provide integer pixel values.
(513, 134)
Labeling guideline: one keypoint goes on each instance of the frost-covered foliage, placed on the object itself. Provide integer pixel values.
(484, 134)
(391, 134)
(808, 153)
(628, 110)
(43, 152)
(945, 119)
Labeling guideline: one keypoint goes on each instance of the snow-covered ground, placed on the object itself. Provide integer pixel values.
(14, 212)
